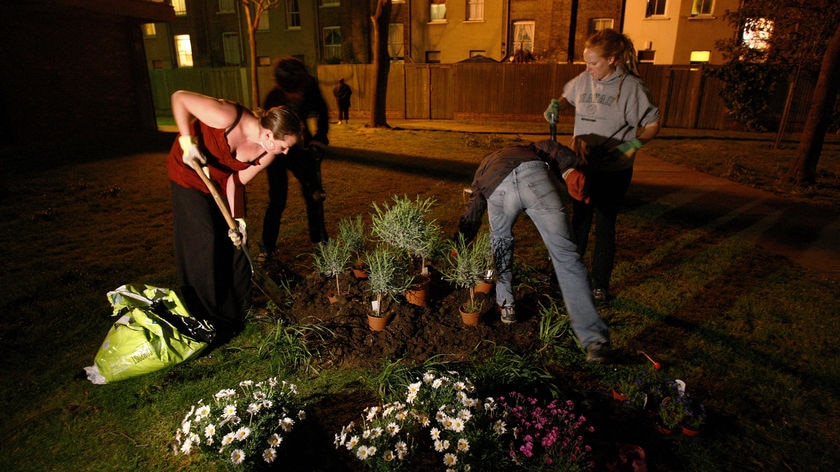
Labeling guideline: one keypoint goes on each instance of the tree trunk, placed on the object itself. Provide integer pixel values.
(803, 169)
(382, 63)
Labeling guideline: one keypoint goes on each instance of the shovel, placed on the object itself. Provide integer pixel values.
(262, 281)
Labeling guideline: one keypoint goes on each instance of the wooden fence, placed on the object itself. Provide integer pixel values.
(687, 97)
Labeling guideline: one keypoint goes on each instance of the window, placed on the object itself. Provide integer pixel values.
(655, 8)
(183, 50)
(437, 10)
(180, 7)
(330, 3)
(757, 33)
(226, 6)
(293, 14)
(332, 43)
(600, 24)
(701, 7)
(475, 10)
(149, 30)
(523, 36)
(232, 49)
(396, 41)
(700, 57)
(264, 24)
(433, 57)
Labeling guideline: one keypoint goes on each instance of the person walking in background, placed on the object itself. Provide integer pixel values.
(614, 116)
(296, 89)
(342, 94)
(232, 144)
(516, 179)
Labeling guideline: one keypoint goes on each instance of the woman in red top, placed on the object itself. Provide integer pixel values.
(233, 145)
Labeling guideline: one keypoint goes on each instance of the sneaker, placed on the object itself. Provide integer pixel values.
(508, 315)
(596, 353)
(599, 295)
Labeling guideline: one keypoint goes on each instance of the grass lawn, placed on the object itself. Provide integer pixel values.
(748, 331)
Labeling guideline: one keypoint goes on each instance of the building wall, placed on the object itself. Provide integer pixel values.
(74, 74)
(676, 33)
(455, 38)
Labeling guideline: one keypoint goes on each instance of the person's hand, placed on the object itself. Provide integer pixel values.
(189, 144)
(629, 148)
(239, 236)
(552, 110)
(576, 185)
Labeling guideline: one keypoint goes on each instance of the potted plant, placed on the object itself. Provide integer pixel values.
(695, 417)
(330, 259)
(672, 408)
(351, 232)
(404, 224)
(466, 268)
(386, 276)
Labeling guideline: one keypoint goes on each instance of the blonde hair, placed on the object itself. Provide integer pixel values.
(611, 43)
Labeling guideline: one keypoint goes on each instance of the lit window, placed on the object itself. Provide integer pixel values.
(183, 50)
(475, 10)
(600, 24)
(396, 41)
(701, 7)
(149, 30)
(757, 33)
(437, 10)
(700, 56)
(226, 6)
(655, 8)
(180, 7)
(232, 49)
(292, 14)
(523, 36)
(332, 42)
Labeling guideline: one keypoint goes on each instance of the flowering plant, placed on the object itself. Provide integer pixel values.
(243, 426)
(695, 415)
(384, 438)
(546, 437)
(438, 411)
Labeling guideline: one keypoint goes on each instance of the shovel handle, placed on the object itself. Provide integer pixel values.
(195, 164)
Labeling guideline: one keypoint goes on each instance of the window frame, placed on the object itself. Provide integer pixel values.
(183, 55)
(656, 8)
(292, 14)
(516, 42)
(330, 32)
(475, 10)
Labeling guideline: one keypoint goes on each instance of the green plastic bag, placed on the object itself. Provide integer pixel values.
(154, 330)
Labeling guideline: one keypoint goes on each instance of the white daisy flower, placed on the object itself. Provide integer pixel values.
(269, 455)
(243, 433)
(228, 438)
(229, 411)
(209, 430)
(237, 456)
(449, 459)
(274, 440)
(463, 445)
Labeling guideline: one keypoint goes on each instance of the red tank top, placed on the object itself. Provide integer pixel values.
(212, 142)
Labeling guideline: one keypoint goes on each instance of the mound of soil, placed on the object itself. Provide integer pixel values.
(414, 333)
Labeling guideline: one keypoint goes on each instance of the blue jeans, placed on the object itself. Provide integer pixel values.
(530, 188)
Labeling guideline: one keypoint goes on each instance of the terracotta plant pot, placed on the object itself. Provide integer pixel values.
(360, 273)
(418, 294)
(468, 317)
(484, 287)
(690, 432)
(377, 323)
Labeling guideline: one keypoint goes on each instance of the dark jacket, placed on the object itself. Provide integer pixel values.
(497, 165)
(312, 105)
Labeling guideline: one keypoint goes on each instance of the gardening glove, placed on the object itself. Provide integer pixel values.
(629, 148)
(239, 236)
(189, 144)
(552, 112)
(576, 185)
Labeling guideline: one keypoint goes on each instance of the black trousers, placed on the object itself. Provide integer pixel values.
(306, 167)
(214, 276)
(607, 191)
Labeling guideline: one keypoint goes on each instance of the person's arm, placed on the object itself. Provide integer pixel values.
(470, 221)
(213, 112)
(648, 132)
